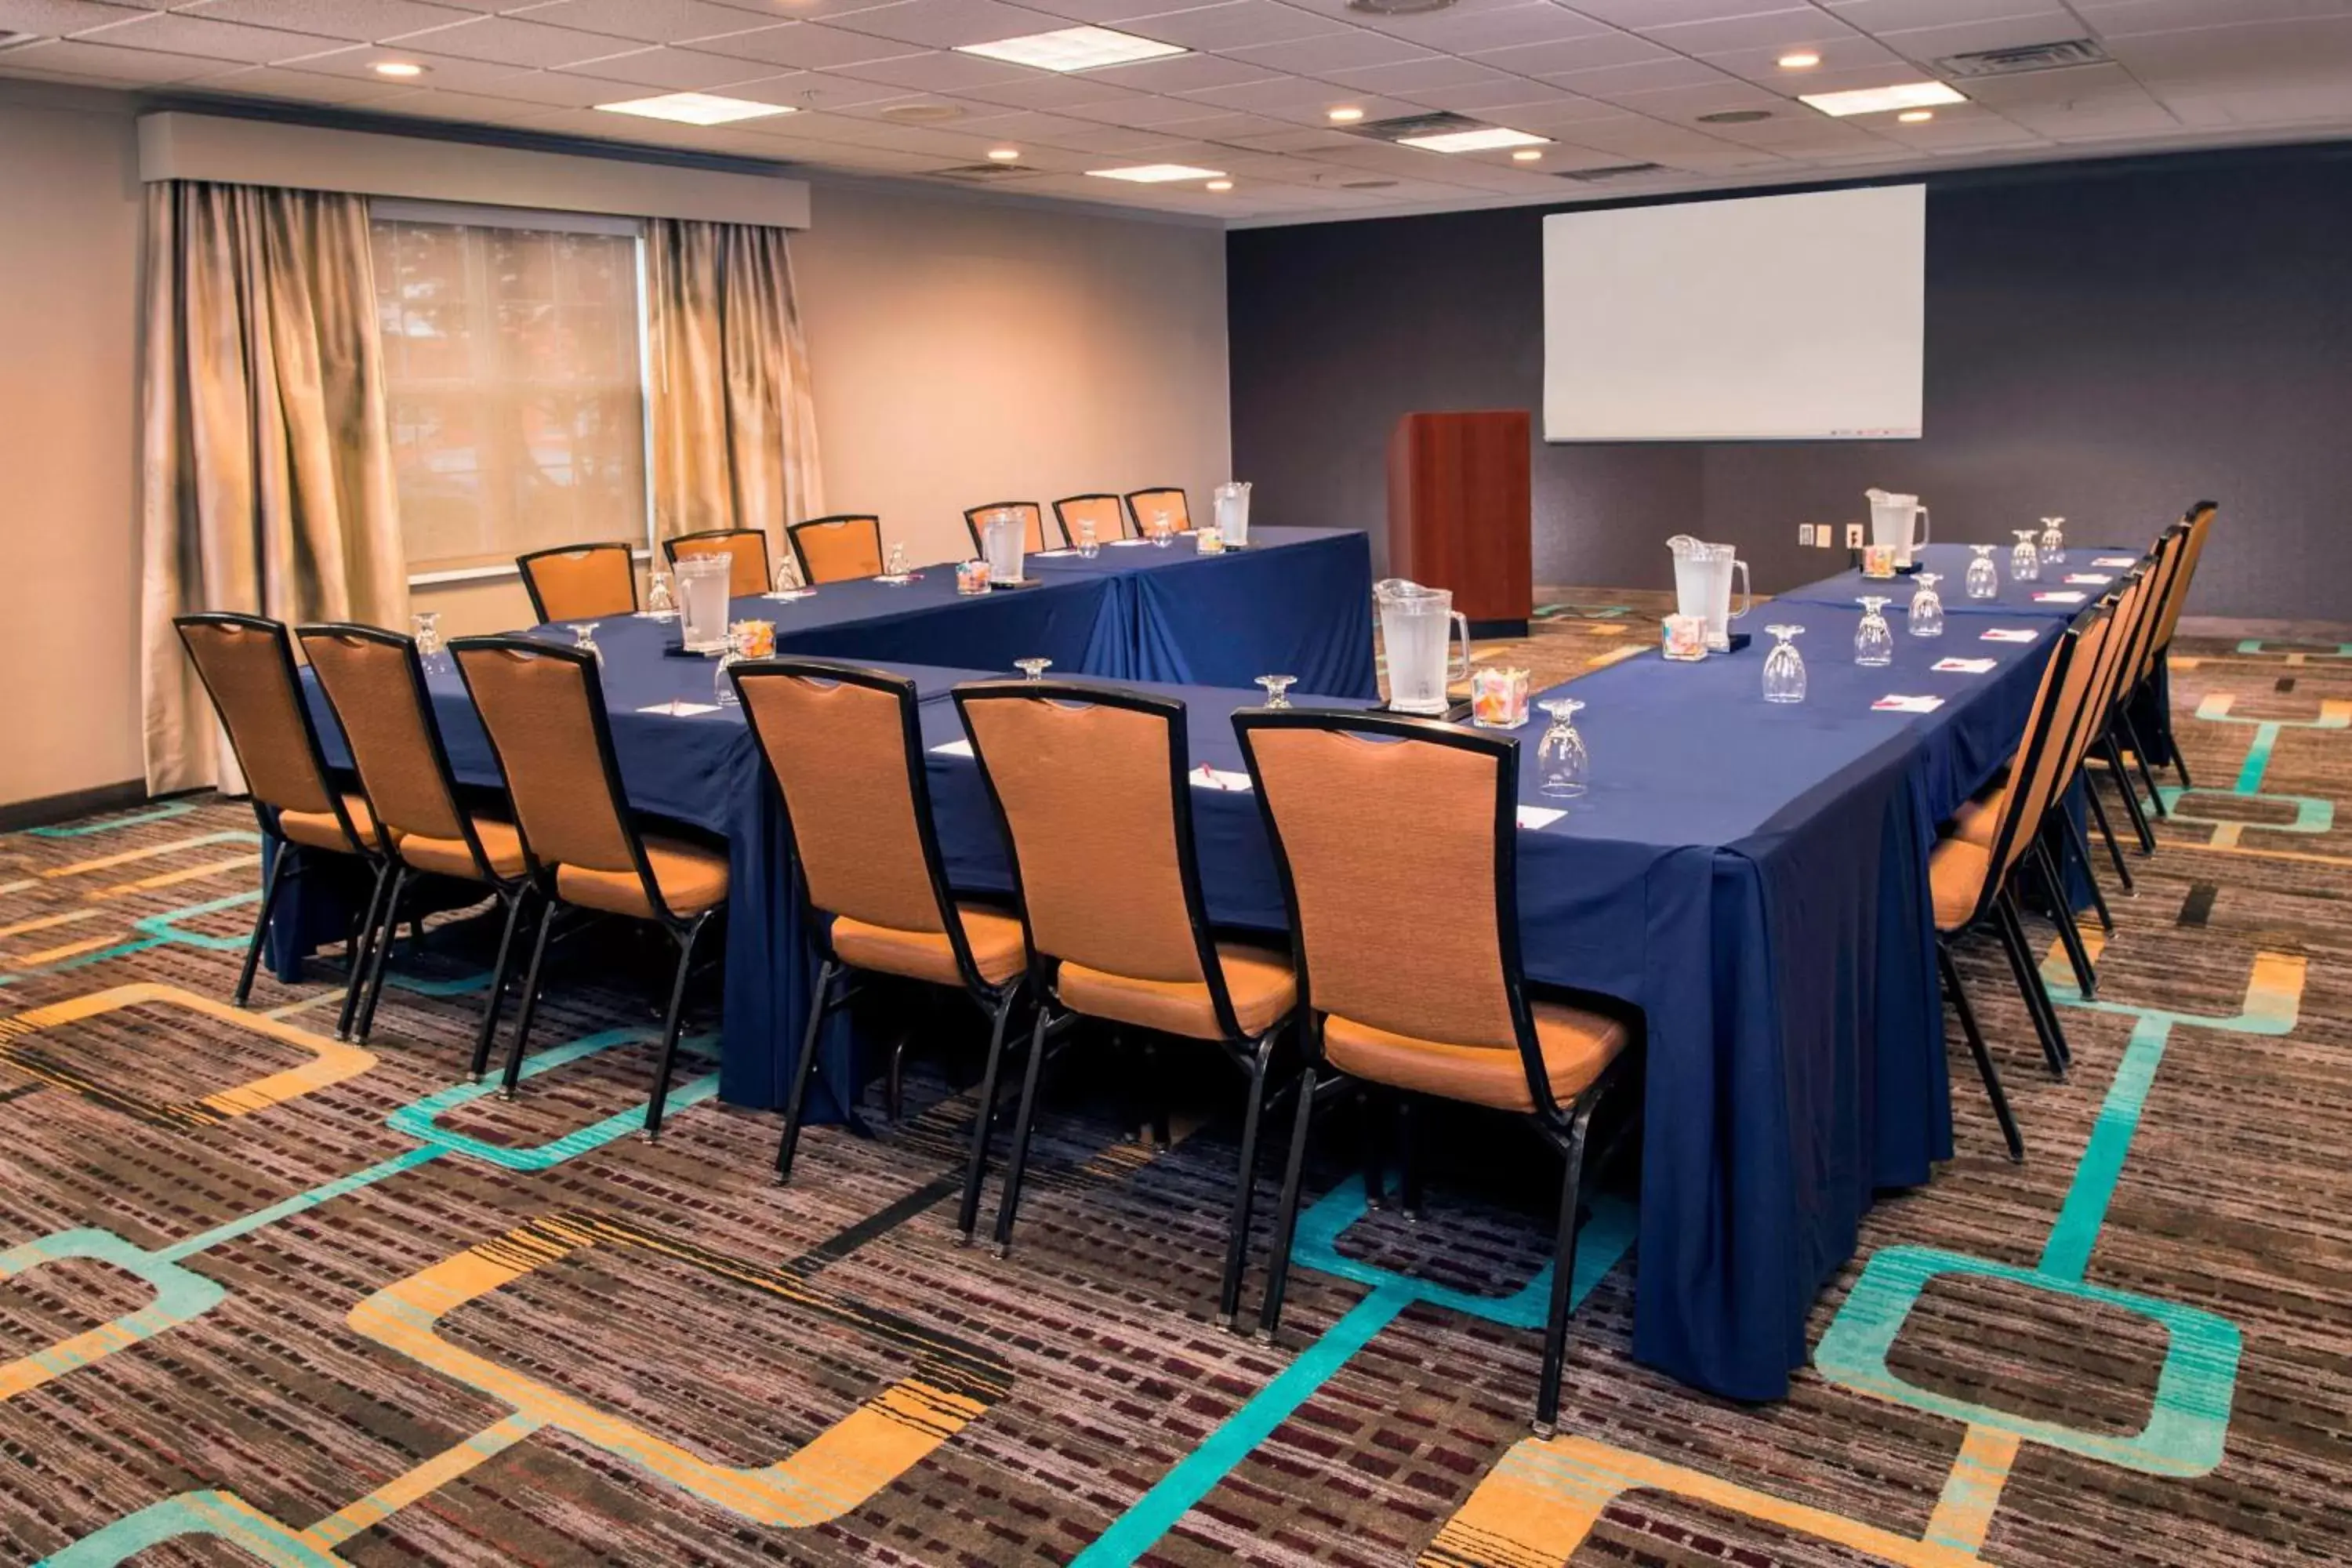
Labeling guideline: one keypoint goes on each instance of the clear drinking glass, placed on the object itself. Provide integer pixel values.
(1034, 669)
(583, 638)
(1561, 765)
(2053, 541)
(1161, 530)
(2024, 561)
(1926, 618)
(722, 688)
(1784, 666)
(1277, 688)
(896, 566)
(1873, 639)
(788, 575)
(1088, 546)
(661, 599)
(429, 651)
(1984, 577)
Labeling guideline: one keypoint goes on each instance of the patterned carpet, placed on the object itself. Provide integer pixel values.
(272, 1299)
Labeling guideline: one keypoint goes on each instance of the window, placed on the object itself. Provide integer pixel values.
(515, 373)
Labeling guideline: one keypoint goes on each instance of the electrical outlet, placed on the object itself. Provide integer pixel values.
(1805, 535)
(1853, 536)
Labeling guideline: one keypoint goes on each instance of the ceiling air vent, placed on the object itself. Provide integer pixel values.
(982, 174)
(1398, 7)
(2024, 58)
(1735, 117)
(1610, 172)
(1366, 184)
(1436, 123)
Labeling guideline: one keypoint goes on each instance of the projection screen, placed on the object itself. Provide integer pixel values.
(1763, 318)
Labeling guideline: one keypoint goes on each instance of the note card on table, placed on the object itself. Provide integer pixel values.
(2007, 634)
(679, 710)
(2096, 579)
(952, 749)
(1054, 554)
(1130, 542)
(1206, 777)
(1963, 665)
(2114, 561)
(1891, 704)
(1539, 815)
(2058, 597)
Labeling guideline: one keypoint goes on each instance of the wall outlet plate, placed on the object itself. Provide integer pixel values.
(1805, 535)
(1853, 536)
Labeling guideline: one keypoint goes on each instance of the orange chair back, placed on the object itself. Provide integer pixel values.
(746, 547)
(838, 549)
(580, 582)
(374, 681)
(1105, 512)
(1142, 504)
(246, 663)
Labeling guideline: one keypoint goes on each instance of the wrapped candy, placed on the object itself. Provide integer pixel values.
(1685, 637)
(755, 639)
(1498, 697)
(1878, 561)
(971, 576)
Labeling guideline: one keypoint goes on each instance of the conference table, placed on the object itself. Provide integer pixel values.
(1751, 876)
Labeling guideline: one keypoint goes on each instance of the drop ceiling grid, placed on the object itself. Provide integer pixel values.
(1610, 81)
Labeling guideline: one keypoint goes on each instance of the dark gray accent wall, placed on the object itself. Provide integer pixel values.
(2108, 340)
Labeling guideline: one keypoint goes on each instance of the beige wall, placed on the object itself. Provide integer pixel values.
(68, 315)
(964, 351)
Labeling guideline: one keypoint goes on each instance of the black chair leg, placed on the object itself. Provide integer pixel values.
(529, 1001)
(1017, 1163)
(1408, 1160)
(361, 947)
(1371, 1144)
(2107, 831)
(1286, 1219)
(804, 1069)
(984, 1120)
(2120, 776)
(894, 1084)
(1563, 1270)
(2139, 760)
(672, 1022)
(489, 1029)
(269, 885)
(1229, 1291)
(2072, 844)
(2029, 985)
(1986, 1070)
(378, 957)
(2062, 914)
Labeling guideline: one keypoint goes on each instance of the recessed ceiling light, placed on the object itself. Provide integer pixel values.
(1525, 155)
(1485, 139)
(1074, 49)
(695, 108)
(1157, 173)
(1915, 116)
(1220, 185)
(1880, 99)
(1344, 116)
(1005, 154)
(397, 67)
(1799, 60)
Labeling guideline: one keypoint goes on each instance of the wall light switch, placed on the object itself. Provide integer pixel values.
(1853, 536)
(1805, 535)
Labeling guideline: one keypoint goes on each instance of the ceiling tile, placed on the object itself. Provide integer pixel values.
(1238, 23)
(1184, 73)
(1587, 53)
(678, 70)
(364, 21)
(937, 71)
(300, 86)
(2115, 18)
(1327, 54)
(447, 72)
(821, 91)
(945, 24)
(227, 41)
(105, 62)
(1492, 98)
(55, 18)
(648, 21)
(1839, 56)
(1430, 70)
(1466, 29)
(1613, 82)
(1876, 16)
(509, 41)
(1778, 30)
(808, 45)
(1667, 13)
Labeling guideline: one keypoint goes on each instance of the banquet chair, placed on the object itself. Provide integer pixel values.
(580, 582)
(745, 548)
(837, 549)
(1032, 515)
(2199, 519)
(1089, 786)
(1972, 884)
(374, 682)
(2116, 751)
(1408, 957)
(543, 706)
(843, 746)
(1142, 504)
(246, 663)
(1107, 514)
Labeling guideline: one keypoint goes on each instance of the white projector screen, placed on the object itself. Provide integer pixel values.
(1766, 319)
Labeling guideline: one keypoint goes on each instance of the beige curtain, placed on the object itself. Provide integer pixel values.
(734, 430)
(266, 468)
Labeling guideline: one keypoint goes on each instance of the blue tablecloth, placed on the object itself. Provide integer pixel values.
(1950, 562)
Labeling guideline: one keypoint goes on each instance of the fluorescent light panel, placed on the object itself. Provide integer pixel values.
(695, 108)
(1882, 99)
(1157, 174)
(1074, 49)
(1485, 140)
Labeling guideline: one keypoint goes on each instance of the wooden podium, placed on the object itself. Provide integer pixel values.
(1459, 514)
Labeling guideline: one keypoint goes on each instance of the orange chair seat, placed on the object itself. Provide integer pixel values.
(692, 879)
(1259, 983)
(501, 846)
(320, 830)
(1576, 1045)
(1975, 822)
(998, 950)
(1957, 871)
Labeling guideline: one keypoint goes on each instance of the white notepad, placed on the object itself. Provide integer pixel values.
(2114, 561)
(1539, 815)
(952, 749)
(2007, 634)
(1054, 554)
(2096, 579)
(2058, 597)
(1206, 777)
(1963, 665)
(679, 710)
(1892, 704)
